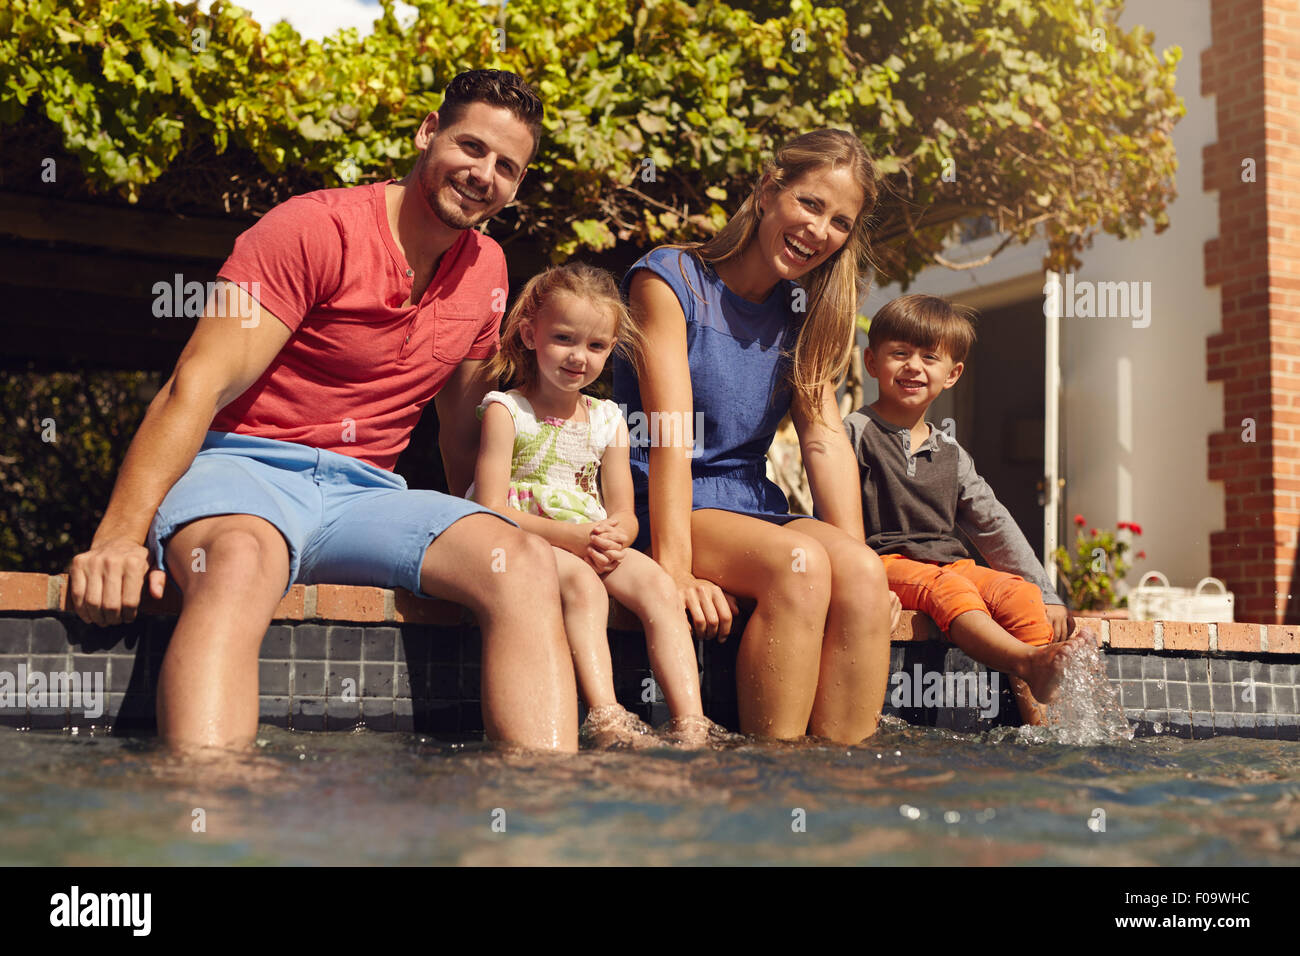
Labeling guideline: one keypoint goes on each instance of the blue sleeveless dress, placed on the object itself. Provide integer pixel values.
(738, 353)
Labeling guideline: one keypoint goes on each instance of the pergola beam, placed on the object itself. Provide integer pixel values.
(113, 227)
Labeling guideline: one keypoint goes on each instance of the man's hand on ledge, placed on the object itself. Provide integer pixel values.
(105, 583)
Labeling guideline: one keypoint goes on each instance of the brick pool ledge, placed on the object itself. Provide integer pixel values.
(366, 605)
(336, 656)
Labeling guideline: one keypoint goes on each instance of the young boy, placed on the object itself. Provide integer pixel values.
(919, 486)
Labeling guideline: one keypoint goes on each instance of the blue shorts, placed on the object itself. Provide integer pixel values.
(345, 521)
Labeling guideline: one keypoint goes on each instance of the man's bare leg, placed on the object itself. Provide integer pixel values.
(508, 578)
(207, 691)
(855, 651)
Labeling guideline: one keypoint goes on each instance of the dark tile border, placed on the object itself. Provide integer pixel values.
(425, 678)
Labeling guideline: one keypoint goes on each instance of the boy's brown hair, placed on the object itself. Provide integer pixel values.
(927, 322)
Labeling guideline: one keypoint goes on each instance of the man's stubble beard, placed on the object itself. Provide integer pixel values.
(451, 217)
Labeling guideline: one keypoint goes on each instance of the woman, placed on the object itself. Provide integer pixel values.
(740, 330)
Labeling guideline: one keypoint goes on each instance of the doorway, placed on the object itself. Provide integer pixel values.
(997, 408)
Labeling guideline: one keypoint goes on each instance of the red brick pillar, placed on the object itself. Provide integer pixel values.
(1252, 68)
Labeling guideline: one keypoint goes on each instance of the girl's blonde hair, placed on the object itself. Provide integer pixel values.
(824, 345)
(515, 365)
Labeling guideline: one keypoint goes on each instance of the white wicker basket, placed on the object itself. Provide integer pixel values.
(1164, 602)
(1203, 608)
(1155, 603)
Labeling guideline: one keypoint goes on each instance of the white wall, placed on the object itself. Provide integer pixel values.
(1136, 408)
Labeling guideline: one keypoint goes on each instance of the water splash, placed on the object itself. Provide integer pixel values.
(697, 733)
(1086, 711)
(614, 727)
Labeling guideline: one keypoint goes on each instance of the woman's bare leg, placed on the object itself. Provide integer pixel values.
(855, 652)
(788, 575)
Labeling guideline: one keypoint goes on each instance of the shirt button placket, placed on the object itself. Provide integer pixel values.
(409, 273)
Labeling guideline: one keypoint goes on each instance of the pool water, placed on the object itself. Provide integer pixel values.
(909, 795)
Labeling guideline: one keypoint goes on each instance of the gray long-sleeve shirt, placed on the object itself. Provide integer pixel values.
(913, 502)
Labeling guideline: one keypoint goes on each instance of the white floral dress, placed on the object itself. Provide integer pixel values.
(554, 470)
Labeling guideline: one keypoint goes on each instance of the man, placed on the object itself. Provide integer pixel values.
(266, 458)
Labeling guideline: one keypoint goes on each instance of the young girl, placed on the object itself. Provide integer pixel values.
(559, 460)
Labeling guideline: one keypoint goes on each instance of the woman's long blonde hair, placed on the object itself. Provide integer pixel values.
(825, 341)
(515, 365)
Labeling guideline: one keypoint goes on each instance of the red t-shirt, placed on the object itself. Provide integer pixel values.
(360, 366)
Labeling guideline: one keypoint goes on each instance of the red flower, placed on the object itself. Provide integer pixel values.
(1122, 525)
(1078, 519)
(1142, 554)
(1093, 532)
(1135, 528)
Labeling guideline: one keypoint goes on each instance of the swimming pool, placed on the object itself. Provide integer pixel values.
(909, 795)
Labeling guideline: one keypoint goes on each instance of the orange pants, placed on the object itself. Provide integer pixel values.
(945, 591)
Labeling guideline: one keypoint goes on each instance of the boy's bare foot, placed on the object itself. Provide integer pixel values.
(612, 725)
(1031, 711)
(1047, 666)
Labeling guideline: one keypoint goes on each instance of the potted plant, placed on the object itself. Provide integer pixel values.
(1094, 568)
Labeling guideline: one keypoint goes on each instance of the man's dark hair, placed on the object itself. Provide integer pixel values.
(496, 88)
